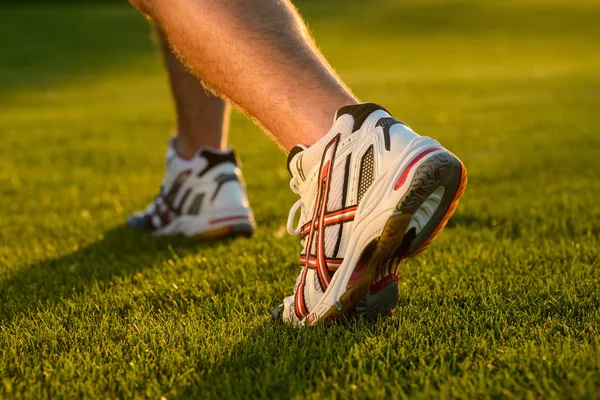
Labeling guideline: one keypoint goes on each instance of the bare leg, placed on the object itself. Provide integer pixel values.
(202, 117)
(257, 53)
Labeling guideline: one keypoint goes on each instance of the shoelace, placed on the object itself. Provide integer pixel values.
(297, 205)
(290, 222)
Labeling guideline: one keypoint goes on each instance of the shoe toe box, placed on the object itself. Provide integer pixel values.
(140, 221)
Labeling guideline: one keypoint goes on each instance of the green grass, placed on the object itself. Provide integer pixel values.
(504, 305)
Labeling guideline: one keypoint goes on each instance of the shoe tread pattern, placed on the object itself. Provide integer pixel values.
(425, 182)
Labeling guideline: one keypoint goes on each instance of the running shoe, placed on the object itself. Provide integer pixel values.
(202, 197)
(372, 194)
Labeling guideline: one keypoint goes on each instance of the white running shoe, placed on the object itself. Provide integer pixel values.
(202, 197)
(372, 193)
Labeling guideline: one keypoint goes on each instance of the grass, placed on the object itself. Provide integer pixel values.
(504, 305)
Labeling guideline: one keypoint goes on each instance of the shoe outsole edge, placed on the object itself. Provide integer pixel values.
(241, 229)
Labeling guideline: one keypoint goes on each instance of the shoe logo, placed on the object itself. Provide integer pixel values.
(317, 228)
(165, 209)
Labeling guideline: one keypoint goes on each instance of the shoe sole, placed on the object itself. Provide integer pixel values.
(440, 170)
(208, 227)
(242, 229)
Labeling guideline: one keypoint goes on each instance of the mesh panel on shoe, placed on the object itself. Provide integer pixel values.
(331, 237)
(303, 243)
(367, 174)
(336, 187)
(309, 208)
(312, 289)
(311, 157)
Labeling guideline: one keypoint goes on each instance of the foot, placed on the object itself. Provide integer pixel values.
(201, 197)
(372, 194)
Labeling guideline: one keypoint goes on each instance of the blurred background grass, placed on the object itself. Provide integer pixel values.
(505, 304)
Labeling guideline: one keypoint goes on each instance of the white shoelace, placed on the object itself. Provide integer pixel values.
(290, 222)
(297, 205)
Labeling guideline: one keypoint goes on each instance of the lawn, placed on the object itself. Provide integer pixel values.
(505, 304)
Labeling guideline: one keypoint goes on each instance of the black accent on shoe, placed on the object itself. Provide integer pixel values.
(215, 158)
(380, 303)
(195, 207)
(407, 241)
(367, 173)
(142, 222)
(293, 152)
(299, 166)
(221, 180)
(344, 194)
(360, 112)
(169, 197)
(277, 313)
(386, 124)
(182, 201)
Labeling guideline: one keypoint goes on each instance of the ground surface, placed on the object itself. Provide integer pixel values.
(505, 304)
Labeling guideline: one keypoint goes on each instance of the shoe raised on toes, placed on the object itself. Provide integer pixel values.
(372, 193)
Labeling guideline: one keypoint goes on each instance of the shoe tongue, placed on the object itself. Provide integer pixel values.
(215, 157)
(212, 156)
(302, 159)
(360, 112)
(203, 161)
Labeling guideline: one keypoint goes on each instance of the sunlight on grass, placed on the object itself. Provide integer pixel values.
(505, 304)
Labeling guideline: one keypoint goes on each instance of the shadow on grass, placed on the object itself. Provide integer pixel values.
(435, 338)
(274, 360)
(121, 252)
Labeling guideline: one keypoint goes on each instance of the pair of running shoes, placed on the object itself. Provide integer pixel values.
(372, 194)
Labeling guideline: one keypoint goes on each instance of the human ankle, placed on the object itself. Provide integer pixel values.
(187, 150)
(183, 148)
(313, 129)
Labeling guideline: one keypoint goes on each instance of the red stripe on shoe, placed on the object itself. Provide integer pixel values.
(332, 263)
(342, 211)
(318, 214)
(227, 219)
(335, 217)
(415, 160)
(299, 305)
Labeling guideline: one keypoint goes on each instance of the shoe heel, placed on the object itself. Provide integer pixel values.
(442, 175)
(397, 240)
(440, 171)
